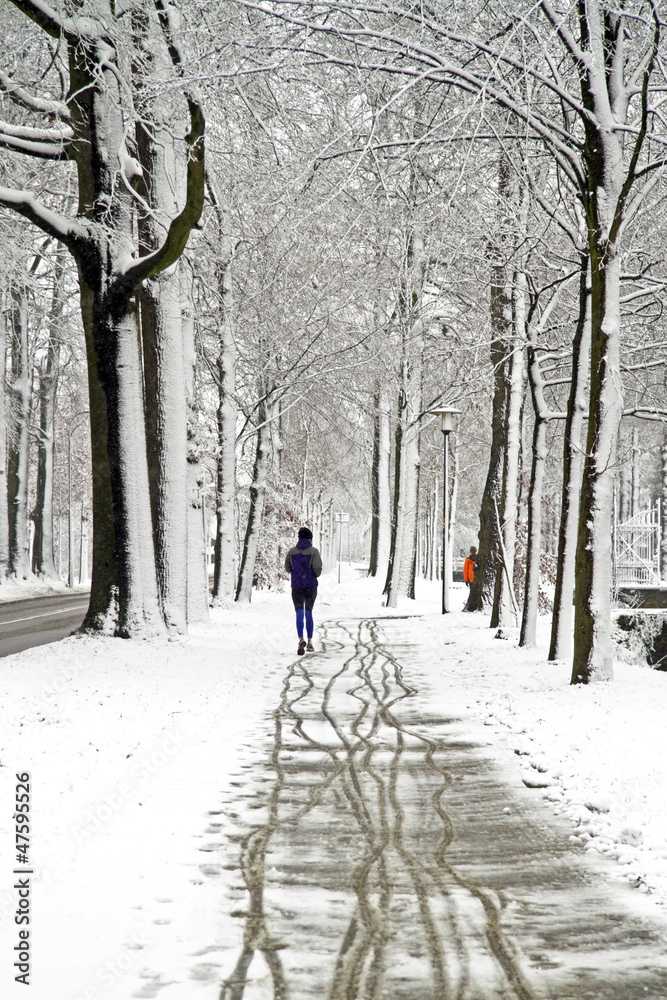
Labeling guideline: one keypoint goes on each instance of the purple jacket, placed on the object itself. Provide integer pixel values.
(304, 562)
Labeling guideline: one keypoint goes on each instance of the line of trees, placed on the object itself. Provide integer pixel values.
(576, 93)
(396, 208)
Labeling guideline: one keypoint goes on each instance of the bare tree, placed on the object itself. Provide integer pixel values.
(43, 545)
(592, 67)
(89, 125)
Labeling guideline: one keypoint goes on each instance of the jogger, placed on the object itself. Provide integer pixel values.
(304, 564)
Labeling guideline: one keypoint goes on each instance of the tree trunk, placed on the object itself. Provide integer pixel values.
(18, 466)
(636, 459)
(625, 492)
(433, 571)
(256, 509)
(117, 341)
(406, 506)
(481, 593)
(102, 614)
(401, 573)
(163, 354)
(451, 520)
(381, 494)
(166, 435)
(528, 635)
(663, 509)
(593, 652)
(224, 576)
(197, 531)
(83, 548)
(560, 647)
(225, 547)
(396, 508)
(503, 603)
(412, 490)
(4, 510)
(43, 544)
(110, 308)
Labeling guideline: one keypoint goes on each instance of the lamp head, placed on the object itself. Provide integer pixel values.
(446, 415)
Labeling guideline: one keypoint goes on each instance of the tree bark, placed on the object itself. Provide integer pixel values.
(560, 647)
(593, 652)
(625, 493)
(118, 348)
(663, 509)
(102, 614)
(453, 501)
(481, 594)
(197, 533)
(43, 544)
(4, 510)
(611, 171)
(166, 435)
(18, 466)
(636, 458)
(401, 573)
(380, 490)
(401, 577)
(225, 537)
(397, 499)
(528, 634)
(163, 360)
(256, 509)
(503, 604)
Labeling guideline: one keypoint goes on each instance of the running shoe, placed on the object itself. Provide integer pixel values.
(302, 647)
(309, 647)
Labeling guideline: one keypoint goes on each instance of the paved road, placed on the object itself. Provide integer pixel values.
(390, 859)
(39, 620)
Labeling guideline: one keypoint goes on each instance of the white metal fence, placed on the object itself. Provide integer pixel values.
(637, 548)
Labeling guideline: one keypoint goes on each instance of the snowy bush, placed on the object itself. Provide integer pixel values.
(641, 638)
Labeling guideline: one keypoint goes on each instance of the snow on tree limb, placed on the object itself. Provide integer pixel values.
(429, 63)
(44, 143)
(55, 135)
(21, 96)
(42, 150)
(23, 202)
(181, 226)
(48, 19)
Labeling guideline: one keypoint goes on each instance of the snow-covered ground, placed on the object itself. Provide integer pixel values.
(22, 590)
(135, 752)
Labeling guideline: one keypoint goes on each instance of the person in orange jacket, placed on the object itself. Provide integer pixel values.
(469, 566)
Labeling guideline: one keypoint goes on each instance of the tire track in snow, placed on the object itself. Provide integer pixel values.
(385, 867)
(355, 765)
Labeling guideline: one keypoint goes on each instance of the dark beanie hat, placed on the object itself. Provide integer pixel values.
(305, 533)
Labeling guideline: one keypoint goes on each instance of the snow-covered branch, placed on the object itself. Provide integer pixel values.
(48, 19)
(181, 226)
(66, 230)
(45, 143)
(39, 104)
(646, 413)
(42, 150)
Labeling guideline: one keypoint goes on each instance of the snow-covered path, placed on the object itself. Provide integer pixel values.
(153, 763)
(389, 856)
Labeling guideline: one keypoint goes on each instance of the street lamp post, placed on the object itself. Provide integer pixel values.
(70, 528)
(343, 517)
(446, 414)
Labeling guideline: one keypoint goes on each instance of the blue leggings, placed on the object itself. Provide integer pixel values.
(300, 612)
(304, 599)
